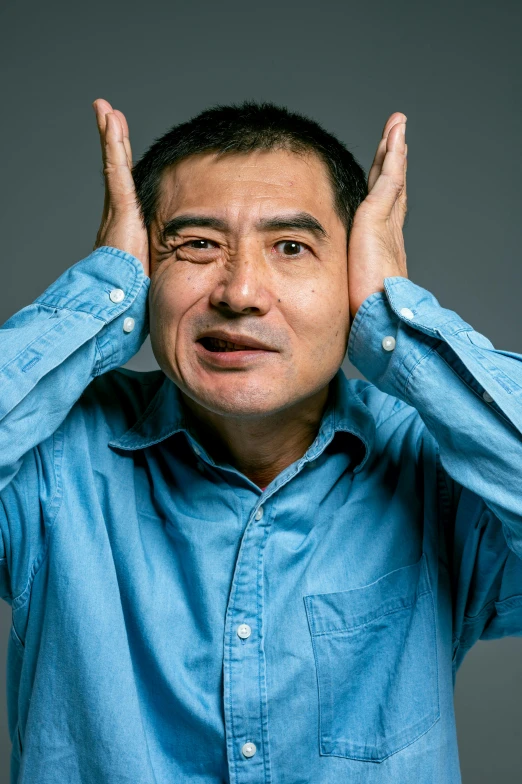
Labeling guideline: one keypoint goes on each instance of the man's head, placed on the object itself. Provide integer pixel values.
(249, 209)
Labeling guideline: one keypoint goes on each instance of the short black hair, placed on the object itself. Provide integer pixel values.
(242, 128)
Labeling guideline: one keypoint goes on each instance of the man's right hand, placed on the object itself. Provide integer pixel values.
(121, 224)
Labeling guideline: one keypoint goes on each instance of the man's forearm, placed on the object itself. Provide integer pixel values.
(91, 319)
(468, 394)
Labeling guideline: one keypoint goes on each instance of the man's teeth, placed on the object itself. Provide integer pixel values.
(226, 345)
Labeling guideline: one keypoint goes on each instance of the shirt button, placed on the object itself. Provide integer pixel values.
(244, 631)
(406, 312)
(197, 451)
(487, 397)
(128, 324)
(248, 749)
(388, 343)
(117, 295)
(259, 513)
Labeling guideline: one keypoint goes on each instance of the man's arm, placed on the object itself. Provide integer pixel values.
(92, 319)
(468, 394)
(53, 348)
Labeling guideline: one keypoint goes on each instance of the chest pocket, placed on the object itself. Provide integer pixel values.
(376, 658)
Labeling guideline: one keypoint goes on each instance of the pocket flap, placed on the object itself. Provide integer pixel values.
(344, 610)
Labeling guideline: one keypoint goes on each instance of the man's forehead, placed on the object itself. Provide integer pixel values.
(252, 171)
(279, 174)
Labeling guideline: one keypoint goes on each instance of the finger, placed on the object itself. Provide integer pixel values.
(117, 169)
(393, 163)
(376, 166)
(403, 198)
(391, 121)
(378, 160)
(126, 139)
(101, 109)
(400, 207)
(391, 180)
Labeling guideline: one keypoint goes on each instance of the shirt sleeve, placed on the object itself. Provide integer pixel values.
(92, 319)
(469, 396)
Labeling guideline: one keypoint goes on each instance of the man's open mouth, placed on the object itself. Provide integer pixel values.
(215, 344)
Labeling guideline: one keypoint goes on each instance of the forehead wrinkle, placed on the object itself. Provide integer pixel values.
(183, 172)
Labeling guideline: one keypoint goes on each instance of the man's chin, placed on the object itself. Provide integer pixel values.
(236, 397)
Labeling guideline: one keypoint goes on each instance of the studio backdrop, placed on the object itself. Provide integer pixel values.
(454, 68)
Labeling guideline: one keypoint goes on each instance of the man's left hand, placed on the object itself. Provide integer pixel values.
(376, 245)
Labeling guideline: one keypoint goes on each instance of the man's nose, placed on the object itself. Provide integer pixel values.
(243, 286)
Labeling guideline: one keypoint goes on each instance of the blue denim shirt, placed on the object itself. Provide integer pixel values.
(172, 622)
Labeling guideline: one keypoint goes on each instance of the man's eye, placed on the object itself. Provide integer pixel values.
(290, 247)
(199, 244)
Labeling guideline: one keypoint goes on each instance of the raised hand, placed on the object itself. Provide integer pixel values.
(121, 224)
(376, 245)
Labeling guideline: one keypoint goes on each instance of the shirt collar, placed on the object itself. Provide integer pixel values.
(165, 416)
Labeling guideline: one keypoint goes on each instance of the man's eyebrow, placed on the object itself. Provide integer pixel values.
(298, 220)
(180, 222)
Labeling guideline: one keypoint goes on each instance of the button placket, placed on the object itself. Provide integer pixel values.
(244, 666)
(244, 631)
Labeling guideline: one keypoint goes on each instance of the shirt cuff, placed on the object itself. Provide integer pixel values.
(109, 285)
(394, 330)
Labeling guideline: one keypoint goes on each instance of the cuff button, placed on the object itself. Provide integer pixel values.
(117, 295)
(388, 343)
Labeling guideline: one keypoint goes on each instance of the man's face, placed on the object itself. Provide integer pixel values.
(254, 251)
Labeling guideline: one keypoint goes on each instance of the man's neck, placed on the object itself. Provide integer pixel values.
(259, 448)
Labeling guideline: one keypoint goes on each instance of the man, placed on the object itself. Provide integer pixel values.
(244, 567)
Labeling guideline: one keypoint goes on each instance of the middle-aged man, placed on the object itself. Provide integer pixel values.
(244, 567)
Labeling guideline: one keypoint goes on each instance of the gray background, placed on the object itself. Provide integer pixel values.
(453, 68)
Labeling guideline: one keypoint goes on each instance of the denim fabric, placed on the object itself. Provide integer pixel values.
(366, 570)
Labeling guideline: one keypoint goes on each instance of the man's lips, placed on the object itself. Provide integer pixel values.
(214, 344)
(231, 350)
(219, 340)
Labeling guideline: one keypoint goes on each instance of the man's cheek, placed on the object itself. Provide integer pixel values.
(167, 300)
(323, 332)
